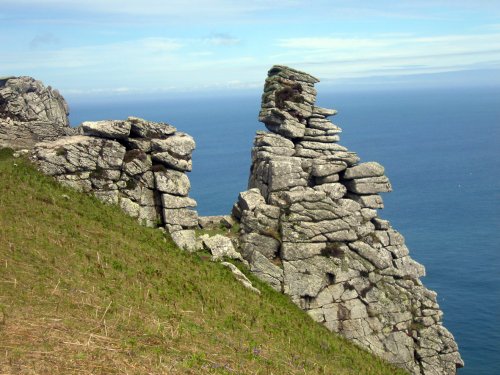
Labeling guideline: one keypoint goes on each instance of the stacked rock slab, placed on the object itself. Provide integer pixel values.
(137, 164)
(30, 113)
(310, 228)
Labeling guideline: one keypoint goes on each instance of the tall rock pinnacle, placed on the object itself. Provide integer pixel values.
(310, 228)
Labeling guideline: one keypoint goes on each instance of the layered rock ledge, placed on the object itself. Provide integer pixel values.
(310, 228)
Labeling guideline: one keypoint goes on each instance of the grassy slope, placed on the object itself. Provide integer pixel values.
(84, 289)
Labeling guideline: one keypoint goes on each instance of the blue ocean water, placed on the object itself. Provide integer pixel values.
(441, 150)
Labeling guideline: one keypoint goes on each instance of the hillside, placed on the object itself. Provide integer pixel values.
(85, 289)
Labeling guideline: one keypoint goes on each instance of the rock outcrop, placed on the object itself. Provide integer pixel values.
(139, 165)
(309, 224)
(310, 228)
(30, 113)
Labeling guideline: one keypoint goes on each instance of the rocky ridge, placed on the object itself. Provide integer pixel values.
(310, 228)
(30, 113)
(137, 164)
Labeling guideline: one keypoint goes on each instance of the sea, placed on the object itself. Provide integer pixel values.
(440, 148)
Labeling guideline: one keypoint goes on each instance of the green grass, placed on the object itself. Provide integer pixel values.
(85, 289)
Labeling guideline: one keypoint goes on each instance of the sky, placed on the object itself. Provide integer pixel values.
(125, 47)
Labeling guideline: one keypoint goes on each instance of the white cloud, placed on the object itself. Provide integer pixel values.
(129, 67)
(158, 45)
(142, 52)
(491, 27)
(220, 9)
(343, 43)
(321, 43)
(200, 53)
(196, 12)
(357, 57)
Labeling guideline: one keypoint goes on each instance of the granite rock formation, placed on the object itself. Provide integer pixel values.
(139, 165)
(30, 113)
(309, 221)
(310, 228)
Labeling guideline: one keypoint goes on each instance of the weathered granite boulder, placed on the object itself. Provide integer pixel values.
(220, 247)
(174, 151)
(364, 170)
(172, 182)
(369, 185)
(310, 228)
(113, 129)
(26, 99)
(186, 240)
(93, 159)
(141, 128)
(30, 113)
